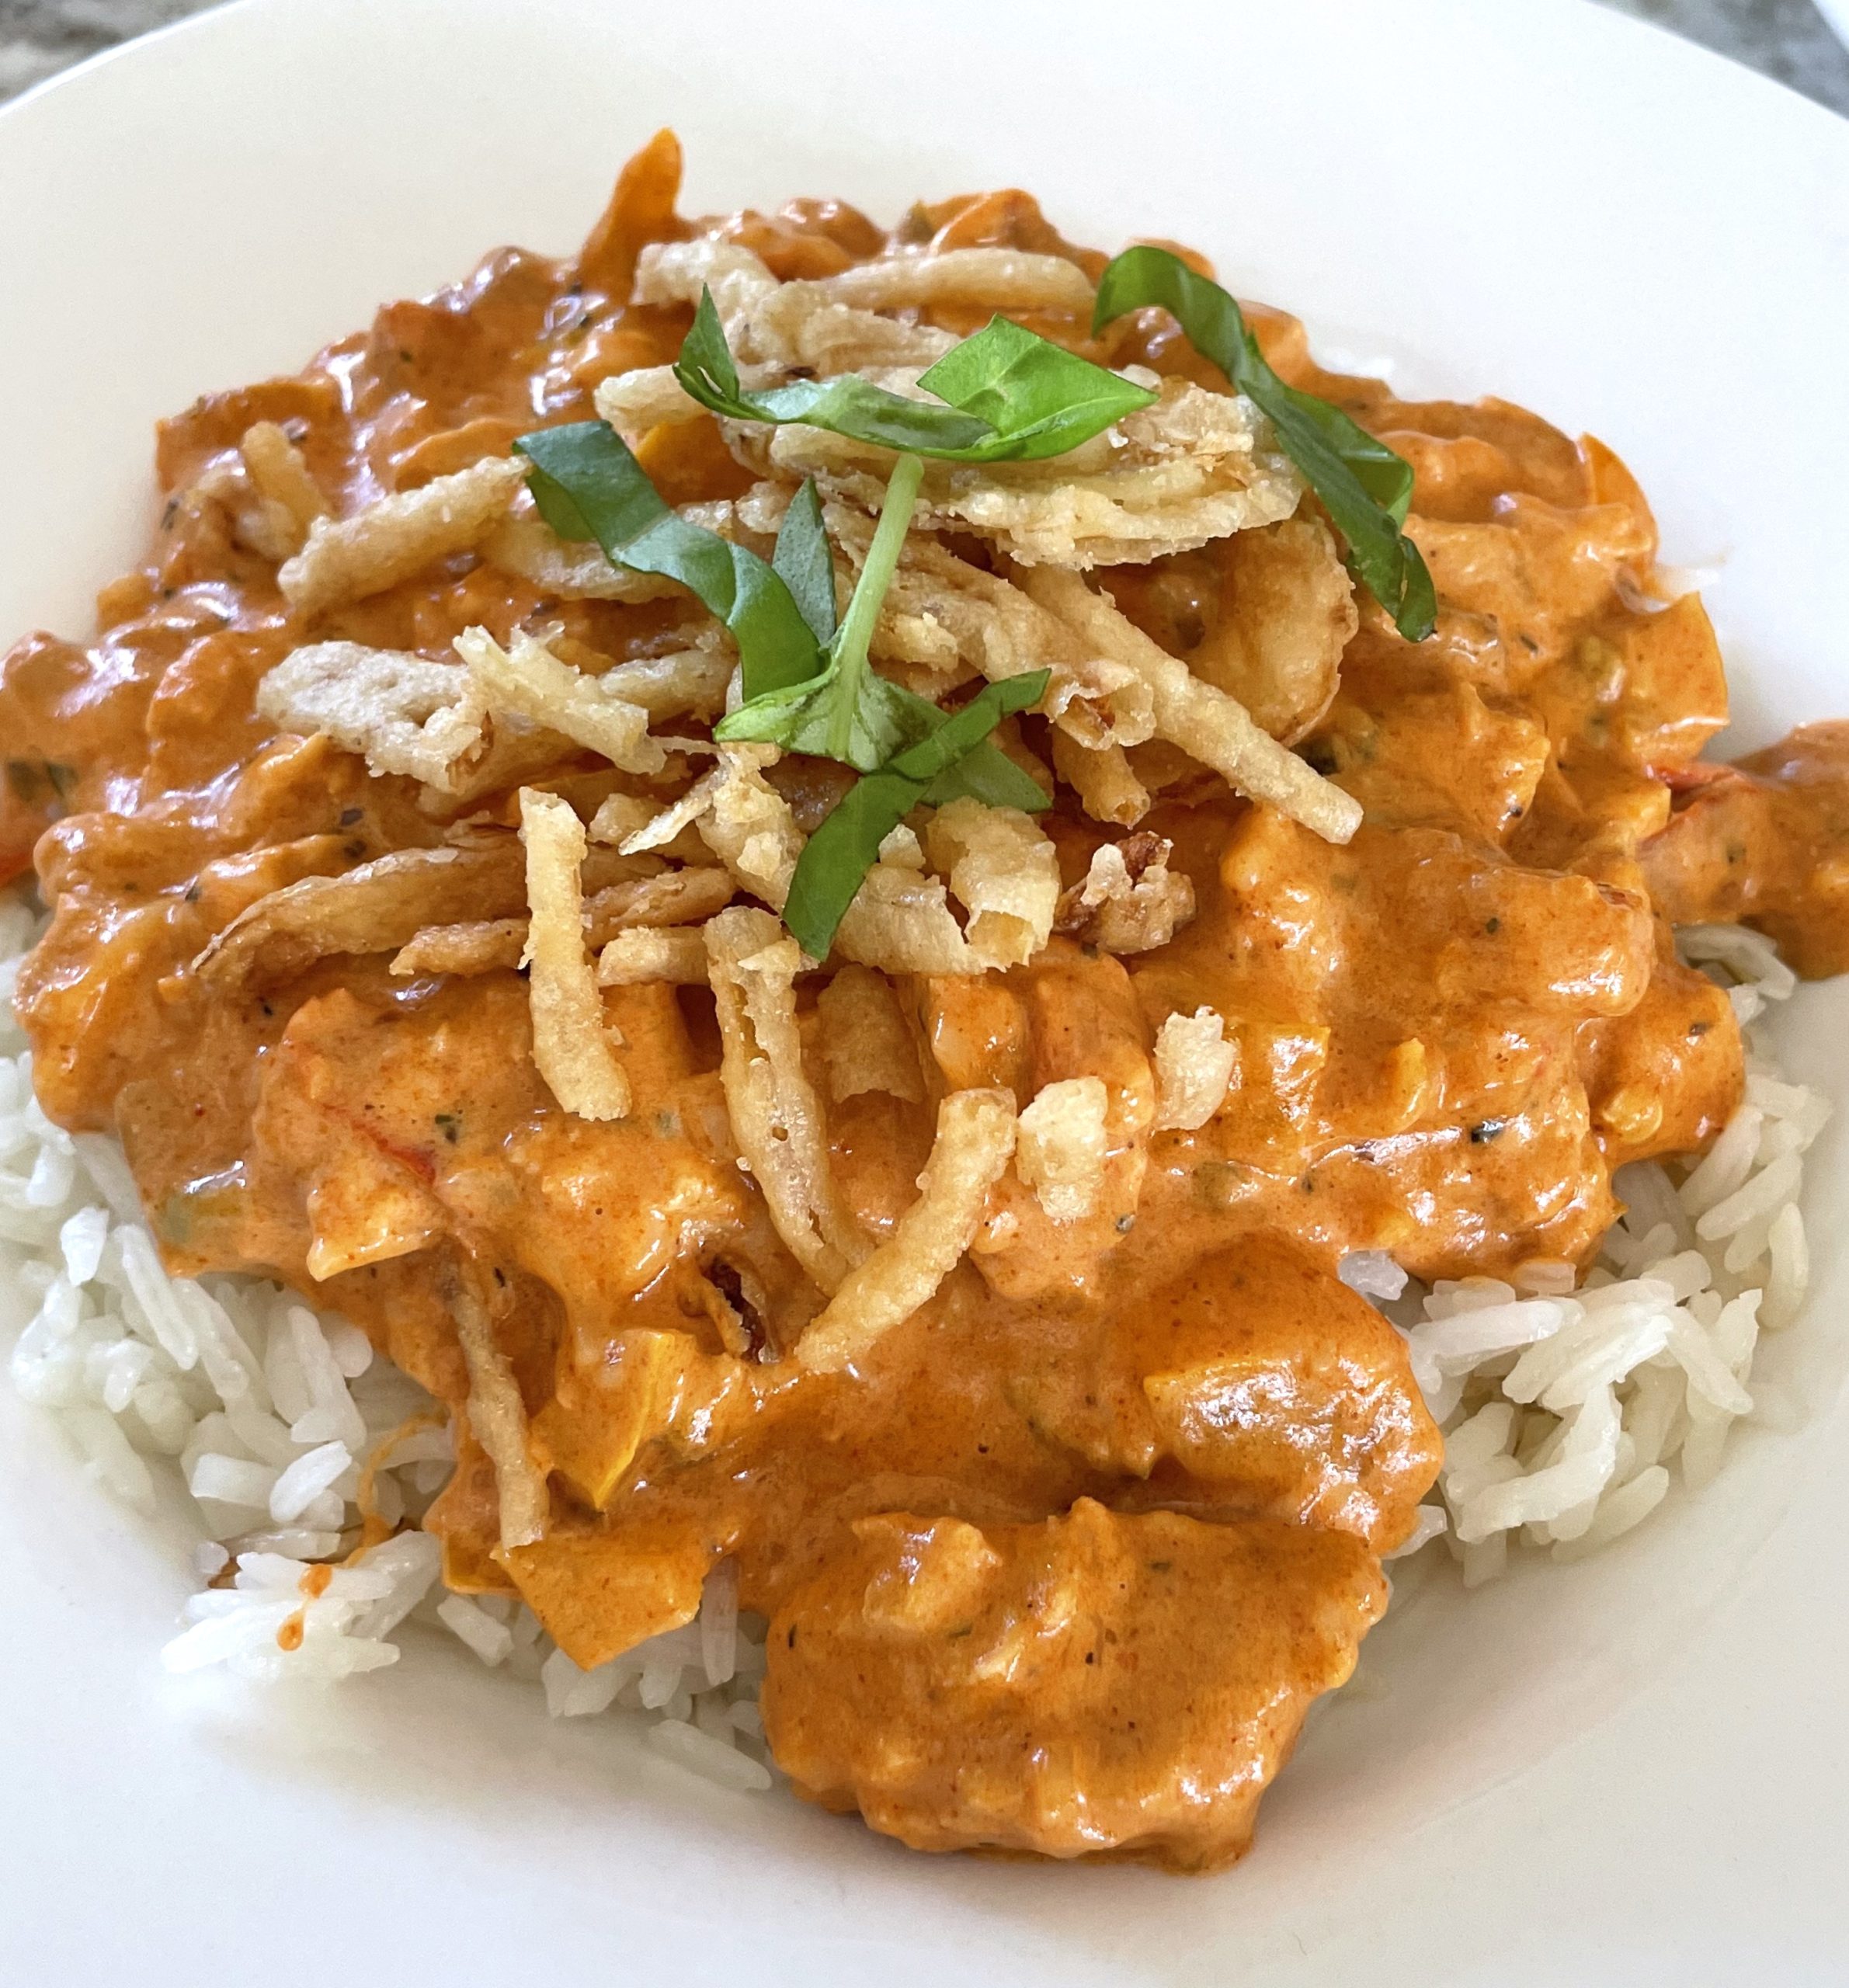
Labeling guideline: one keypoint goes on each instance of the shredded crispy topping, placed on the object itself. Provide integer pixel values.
(348, 558)
(1128, 900)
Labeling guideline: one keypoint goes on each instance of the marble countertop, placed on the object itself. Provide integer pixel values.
(1788, 38)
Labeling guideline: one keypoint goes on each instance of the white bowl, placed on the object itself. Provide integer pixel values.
(1624, 1771)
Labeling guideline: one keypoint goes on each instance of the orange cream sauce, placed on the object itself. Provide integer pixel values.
(1449, 1033)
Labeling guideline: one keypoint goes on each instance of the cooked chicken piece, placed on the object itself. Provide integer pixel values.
(1093, 1684)
(1254, 1383)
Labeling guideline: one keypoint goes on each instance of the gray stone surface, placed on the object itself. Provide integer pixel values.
(1788, 38)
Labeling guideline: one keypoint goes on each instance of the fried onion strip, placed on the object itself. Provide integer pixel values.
(570, 1039)
(975, 1141)
(775, 1115)
(865, 1043)
(1195, 1064)
(1129, 900)
(675, 898)
(280, 474)
(498, 1417)
(349, 558)
(378, 907)
(1102, 777)
(402, 712)
(531, 682)
(675, 952)
(1061, 1149)
(1205, 723)
(1003, 869)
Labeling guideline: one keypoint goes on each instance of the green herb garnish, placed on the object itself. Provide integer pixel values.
(847, 711)
(1364, 486)
(588, 486)
(810, 686)
(847, 845)
(1004, 395)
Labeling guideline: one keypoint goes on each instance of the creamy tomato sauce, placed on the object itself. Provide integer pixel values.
(1170, 1417)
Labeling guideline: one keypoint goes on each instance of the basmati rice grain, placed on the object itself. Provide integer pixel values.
(1617, 1513)
(1429, 1522)
(108, 1457)
(352, 1350)
(711, 1759)
(1726, 1164)
(109, 1171)
(305, 1479)
(1373, 1272)
(490, 1640)
(231, 1481)
(1790, 1271)
(146, 1278)
(573, 1694)
(80, 1243)
(719, 1623)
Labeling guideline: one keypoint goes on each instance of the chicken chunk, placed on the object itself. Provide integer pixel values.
(1092, 1684)
(1254, 1383)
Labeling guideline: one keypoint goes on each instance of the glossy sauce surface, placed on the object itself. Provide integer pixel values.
(1448, 1035)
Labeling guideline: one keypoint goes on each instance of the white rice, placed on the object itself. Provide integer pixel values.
(1562, 1409)
(259, 1412)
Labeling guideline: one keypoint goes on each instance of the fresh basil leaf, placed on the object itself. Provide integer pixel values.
(848, 405)
(1041, 399)
(847, 845)
(1012, 396)
(587, 485)
(986, 774)
(802, 560)
(883, 718)
(1363, 485)
(846, 712)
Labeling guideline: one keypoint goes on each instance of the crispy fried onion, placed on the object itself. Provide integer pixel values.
(1205, 723)
(941, 610)
(676, 954)
(975, 1142)
(830, 325)
(531, 683)
(498, 1417)
(1005, 874)
(777, 1118)
(527, 547)
(1195, 466)
(865, 1044)
(1129, 900)
(689, 680)
(1195, 1064)
(283, 500)
(900, 920)
(454, 729)
(1103, 778)
(1062, 1152)
(348, 558)
(572, 1040)
(675, 898)
(377, 907)
(772, 327)
(403, 714)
